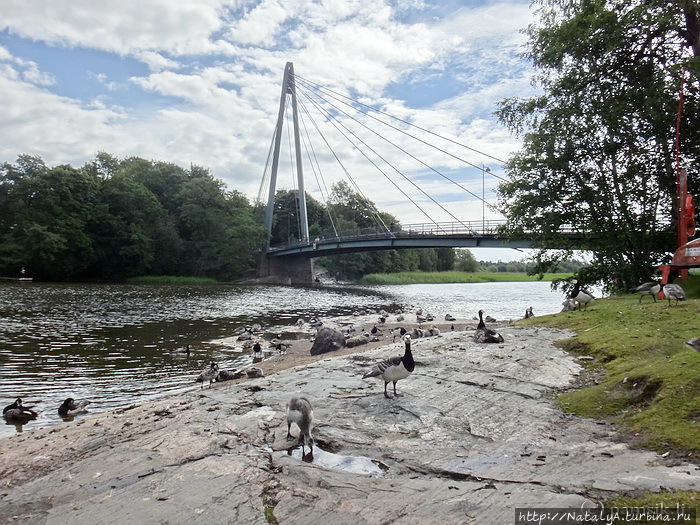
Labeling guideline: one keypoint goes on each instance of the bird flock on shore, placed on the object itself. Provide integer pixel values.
(299, 410)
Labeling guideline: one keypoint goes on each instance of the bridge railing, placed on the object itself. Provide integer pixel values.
(465, 228)
(485, 228)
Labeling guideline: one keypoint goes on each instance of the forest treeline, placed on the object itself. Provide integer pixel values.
(112, 219)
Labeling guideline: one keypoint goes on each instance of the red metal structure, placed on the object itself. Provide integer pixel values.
(688, 253)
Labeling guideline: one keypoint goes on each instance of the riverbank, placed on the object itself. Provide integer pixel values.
(456, 277)
(475, 436)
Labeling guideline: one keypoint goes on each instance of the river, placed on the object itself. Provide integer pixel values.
(113, 344)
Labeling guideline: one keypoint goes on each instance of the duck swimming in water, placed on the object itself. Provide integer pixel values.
(17, 412)
(70, 407)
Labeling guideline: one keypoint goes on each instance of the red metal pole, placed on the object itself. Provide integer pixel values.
(681, 180)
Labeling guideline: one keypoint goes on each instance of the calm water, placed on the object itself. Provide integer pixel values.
(112, 343)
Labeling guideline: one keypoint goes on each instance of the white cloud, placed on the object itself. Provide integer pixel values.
(213, 69)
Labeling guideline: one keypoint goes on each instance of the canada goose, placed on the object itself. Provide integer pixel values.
(449, 317)
(673, 291)
(299, 411)
(208, 374)
(395, 368)
(580, 296)
(484, 334)
(650, 288)
(529, 313)
(70, 407)
(397, 332)
(17, 412)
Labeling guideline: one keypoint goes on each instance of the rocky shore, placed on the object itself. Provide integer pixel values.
(474, 437)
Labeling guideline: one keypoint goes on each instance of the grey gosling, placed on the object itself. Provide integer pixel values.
(208, 374)
(673, 291)
(299, 411)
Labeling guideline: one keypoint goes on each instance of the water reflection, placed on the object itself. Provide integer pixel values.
(116, 344)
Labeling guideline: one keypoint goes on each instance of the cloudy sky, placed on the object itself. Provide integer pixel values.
(199, 82)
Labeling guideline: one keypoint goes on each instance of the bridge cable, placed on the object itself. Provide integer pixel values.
(389, 164)
(409, 154)
(292, 166)
(312, 85)
(316, 168)
(342, 166)
(264, 183)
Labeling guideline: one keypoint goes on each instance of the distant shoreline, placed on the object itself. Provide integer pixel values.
(456, 277)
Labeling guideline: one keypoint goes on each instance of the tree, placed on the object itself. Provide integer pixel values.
(466, 262)
(597, 157)
(46, 218)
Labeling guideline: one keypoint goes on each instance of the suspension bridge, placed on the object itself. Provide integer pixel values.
(291, 261)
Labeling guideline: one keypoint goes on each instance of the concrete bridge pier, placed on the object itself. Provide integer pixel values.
(286, 270)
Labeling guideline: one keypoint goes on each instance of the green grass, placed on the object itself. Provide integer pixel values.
(453, 277)
(649, 379)
(169, 279)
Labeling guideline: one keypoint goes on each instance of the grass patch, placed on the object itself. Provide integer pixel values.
(453, 277)
(649, 380)
(169, 279)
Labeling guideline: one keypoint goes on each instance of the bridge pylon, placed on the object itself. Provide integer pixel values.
(275, 271)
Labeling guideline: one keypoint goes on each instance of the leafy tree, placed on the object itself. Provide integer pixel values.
(45, 219)
(466, 262)
(597, 157)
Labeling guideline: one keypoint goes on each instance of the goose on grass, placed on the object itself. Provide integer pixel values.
(673, 291)
(581, 296)
(395, 368)
(651, 288)
(485, 334)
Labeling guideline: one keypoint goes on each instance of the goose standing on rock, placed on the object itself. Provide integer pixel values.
(208, 374)
(70, 407)
(484, 334)
(17, 412)
(580, 296)
(299, 411)
(673, 291)
(395, 368)
(397, 332)
(650, 288)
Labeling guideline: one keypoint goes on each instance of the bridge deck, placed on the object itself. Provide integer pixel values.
(481, 234)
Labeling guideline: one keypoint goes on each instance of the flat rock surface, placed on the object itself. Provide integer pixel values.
(474, 436)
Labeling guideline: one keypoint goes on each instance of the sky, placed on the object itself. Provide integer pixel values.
(198, 82)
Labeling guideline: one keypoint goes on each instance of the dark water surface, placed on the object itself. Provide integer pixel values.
(112, 344)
